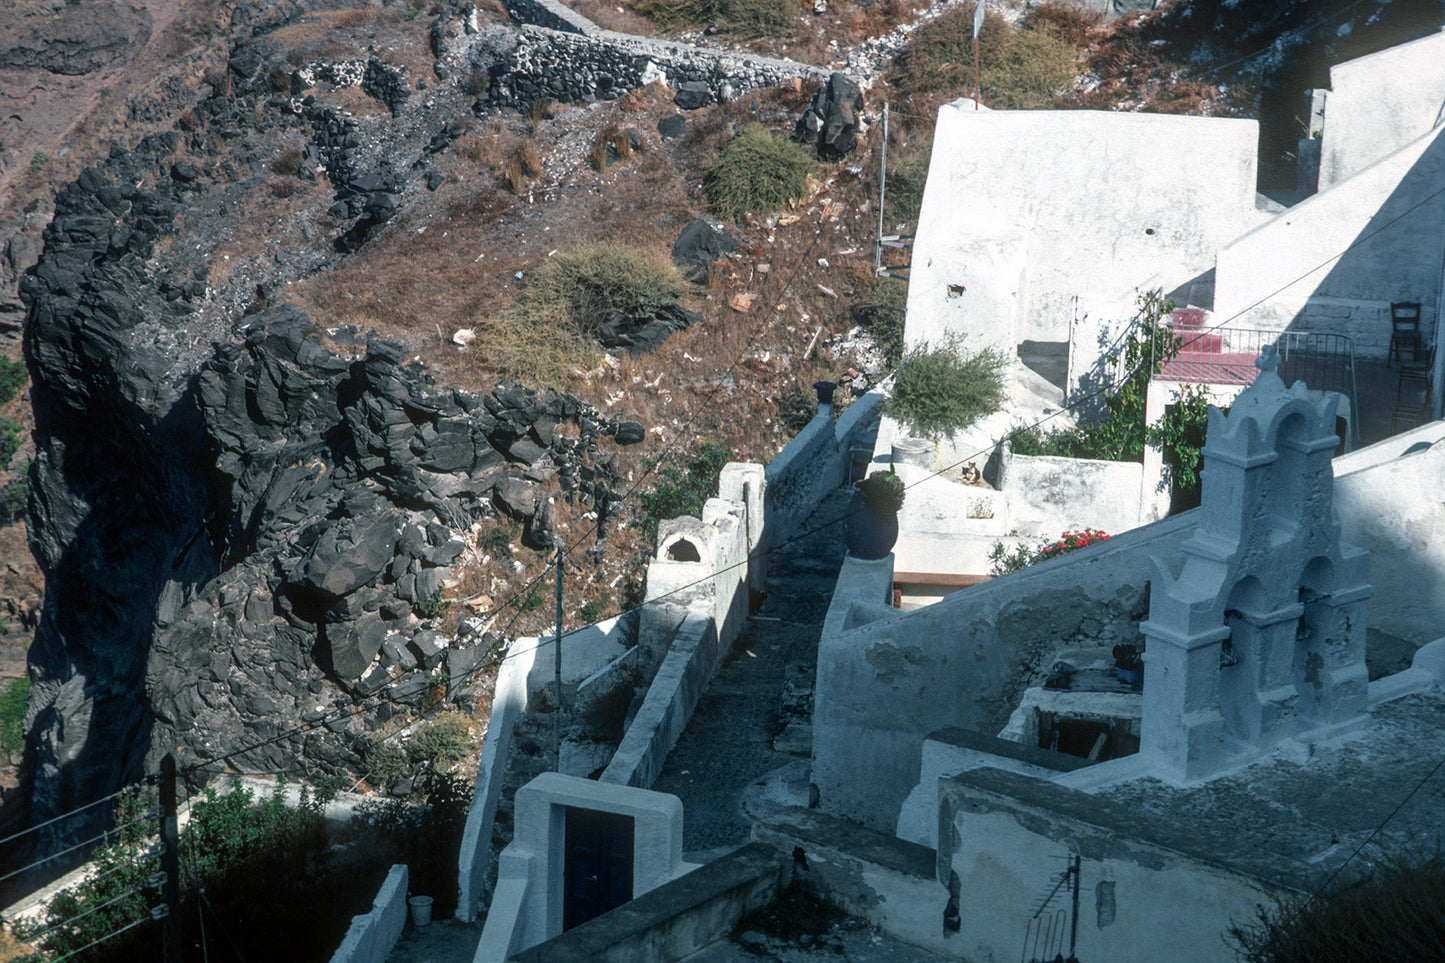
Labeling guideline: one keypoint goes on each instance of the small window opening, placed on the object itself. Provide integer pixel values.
(683, 551)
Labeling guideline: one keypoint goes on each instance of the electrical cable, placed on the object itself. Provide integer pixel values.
(70, 920)
(108, 936)
(38, 826)
(70, 849)
(1370, 838)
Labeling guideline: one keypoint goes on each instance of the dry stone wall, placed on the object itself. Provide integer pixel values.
(560, 55)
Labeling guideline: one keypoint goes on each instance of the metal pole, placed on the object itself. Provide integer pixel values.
(882, 193)
(1074, 922)
(557, 663)
(170, 862)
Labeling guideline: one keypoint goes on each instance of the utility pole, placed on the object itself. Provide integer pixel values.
(170, 862)
(557, 664)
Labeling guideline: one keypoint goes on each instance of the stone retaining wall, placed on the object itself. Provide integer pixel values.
(571, 67)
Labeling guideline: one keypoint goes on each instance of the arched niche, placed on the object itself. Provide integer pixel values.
(683, 550)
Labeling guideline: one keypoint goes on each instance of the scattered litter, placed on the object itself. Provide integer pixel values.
(741, 303)
(464, 337)
(828, 291)
(518, 275)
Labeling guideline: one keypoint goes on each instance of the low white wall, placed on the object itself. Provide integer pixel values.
(1054, 495)
(1379, 103)
(695, 654)
(1147, 894)
(813, 464)
(373, 935)
(509, 701)
(1334, 262)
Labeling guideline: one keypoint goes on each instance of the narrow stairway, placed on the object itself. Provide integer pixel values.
(749, 741)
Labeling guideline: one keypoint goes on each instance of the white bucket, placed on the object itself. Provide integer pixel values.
(420, 910)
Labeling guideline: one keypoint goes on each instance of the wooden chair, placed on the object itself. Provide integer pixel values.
(1413, 392)
(1405, 343)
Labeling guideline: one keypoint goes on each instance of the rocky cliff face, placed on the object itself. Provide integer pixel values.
(243, 533)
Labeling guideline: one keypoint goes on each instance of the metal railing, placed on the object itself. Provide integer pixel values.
(1225, 356)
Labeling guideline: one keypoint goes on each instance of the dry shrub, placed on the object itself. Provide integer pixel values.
(187, 120)
(285, 187)
(530, 157)
(279, 80)
(288, 161)
(1020, 69)
(622, 143)
(1066, 20)
(475, 82)
(479, 147)
(743, 19)
(597, 155)
(513, 175)
(538, 111)
(357, 17)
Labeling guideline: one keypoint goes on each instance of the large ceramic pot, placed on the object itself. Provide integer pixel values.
(868, 534)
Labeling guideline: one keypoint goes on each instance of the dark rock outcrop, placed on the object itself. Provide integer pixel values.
(244, 535)
(830, 124)
(80, 39)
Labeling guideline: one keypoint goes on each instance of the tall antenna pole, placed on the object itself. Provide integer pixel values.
(882, 193)
(557, 663)
(978, 9)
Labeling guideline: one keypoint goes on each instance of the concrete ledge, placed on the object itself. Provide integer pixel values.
(994, 746)
(372, 936)
(1098, 829)
(676, 919)
(665, 711)
(885, 880)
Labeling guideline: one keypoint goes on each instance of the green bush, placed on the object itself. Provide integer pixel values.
(940, 390)
(742, 19)
(586, 283)
(757, 172)
(12, 714)
(444, 741)
(682, 487)
(1392, 913)
(385, 763)
(548, 334)
(12, 433)
(13, 375)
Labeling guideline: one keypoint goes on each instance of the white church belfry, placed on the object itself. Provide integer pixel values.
(1261, 636)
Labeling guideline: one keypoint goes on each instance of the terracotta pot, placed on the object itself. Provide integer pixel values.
(869, 535)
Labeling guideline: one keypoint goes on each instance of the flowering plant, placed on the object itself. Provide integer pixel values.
(882, 492)
(1070, 541)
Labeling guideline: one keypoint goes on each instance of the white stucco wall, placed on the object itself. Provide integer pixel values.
(887, 679)
(1379, 103)
(1139, 903)
(1334, 262)
(1024, 210)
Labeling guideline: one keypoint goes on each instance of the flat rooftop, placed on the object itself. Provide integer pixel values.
(1384, 786)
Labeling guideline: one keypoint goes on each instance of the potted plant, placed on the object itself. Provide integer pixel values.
(873, 524)
(1128, 664)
